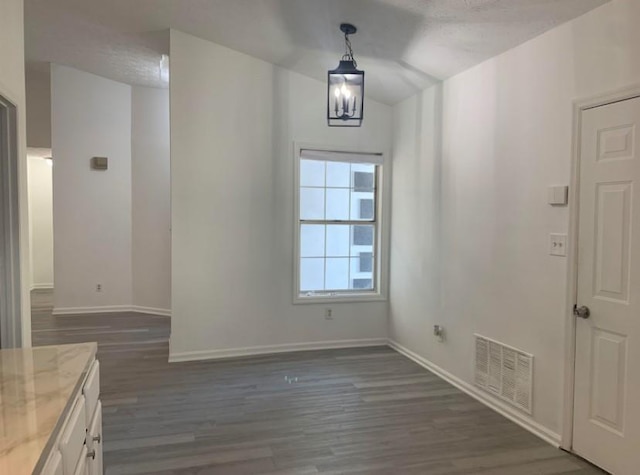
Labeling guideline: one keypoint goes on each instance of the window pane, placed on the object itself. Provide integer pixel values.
(366, 208)
(337, 277)
(362, 284)
(338, 244)
(338, 174)
(312, 240)
(361, 268)
(311, 274)
(365, 262)
(359, 210)
(363, 177)
(311, 203)
(337, 204)
(363, 235)
(311, 173)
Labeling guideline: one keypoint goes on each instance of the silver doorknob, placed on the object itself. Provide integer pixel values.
(581, 312)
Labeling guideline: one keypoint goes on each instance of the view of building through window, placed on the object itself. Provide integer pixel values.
(337, 226)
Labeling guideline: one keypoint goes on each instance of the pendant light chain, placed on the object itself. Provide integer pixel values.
(348, 55)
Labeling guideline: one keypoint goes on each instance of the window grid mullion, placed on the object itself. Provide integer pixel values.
(337, 223)
(351, 182)
(324, 280)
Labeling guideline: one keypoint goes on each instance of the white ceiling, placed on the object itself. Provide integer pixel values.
(403, 45)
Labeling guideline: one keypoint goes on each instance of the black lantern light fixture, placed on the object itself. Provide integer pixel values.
(345, 88)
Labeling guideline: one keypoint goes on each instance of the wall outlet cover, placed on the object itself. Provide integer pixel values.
(558, 245)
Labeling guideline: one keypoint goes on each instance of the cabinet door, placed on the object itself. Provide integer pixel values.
(53, 465)
(81, 468)
(73, 437)
(91, 390)
(94, 441)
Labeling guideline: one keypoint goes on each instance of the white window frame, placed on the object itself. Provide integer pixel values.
(381, 262)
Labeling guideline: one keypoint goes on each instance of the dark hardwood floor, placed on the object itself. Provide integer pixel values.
(359, 411)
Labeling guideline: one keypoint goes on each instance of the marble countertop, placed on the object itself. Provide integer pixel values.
(37, 387)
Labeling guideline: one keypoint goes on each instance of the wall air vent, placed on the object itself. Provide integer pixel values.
(504, 372)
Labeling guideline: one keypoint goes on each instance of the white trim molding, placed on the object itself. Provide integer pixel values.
(272, 349)
(383, 226)
(500, 407)
(41, 286)
(163, 312)
(63, 311)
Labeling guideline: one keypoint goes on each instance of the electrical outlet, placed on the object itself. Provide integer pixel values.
(438, 331)
(98, 287)
(328, 313)
(558, 245)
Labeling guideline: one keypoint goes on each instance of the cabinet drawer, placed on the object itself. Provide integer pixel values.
(54, 464)
(73, 436)
(91, 390)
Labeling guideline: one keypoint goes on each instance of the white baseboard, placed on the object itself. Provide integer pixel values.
(41, 286)
(500, 407)
(63, 311)
(272, 349)
(163, 312)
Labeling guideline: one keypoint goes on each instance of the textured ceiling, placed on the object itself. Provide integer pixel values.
(403, 45)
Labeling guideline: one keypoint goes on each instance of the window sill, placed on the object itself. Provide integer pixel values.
(336, 298)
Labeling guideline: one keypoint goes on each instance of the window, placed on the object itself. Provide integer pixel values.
(338, 226)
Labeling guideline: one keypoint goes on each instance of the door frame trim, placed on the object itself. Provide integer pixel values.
(579, 106)
(11, 305)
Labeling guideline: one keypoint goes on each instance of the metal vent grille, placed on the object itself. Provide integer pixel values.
(504, 372)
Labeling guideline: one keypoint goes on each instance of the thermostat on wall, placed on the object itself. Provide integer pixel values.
(558, 195)
(99, 163)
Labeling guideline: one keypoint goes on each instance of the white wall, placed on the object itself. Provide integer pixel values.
(91, 116)
(151, 199)
(38, 84)
(12, 87)
(506, 136)
(233, 123)
(41, 221)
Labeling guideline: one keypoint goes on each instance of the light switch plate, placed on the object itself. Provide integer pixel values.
(558, 195)
(558, 245)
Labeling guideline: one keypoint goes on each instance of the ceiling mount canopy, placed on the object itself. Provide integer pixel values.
(345, 87)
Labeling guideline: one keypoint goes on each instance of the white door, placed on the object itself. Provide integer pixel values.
(607, 389)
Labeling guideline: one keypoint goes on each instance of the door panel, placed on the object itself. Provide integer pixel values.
(608, 379)
(613, 233)
(607, 418)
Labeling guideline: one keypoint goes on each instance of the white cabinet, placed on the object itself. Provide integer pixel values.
(94, 441)
(73, 436)
(54, 464)
(82, 466)
(78, 448)
(91, 390)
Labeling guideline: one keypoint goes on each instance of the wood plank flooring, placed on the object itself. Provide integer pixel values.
(358, 411)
